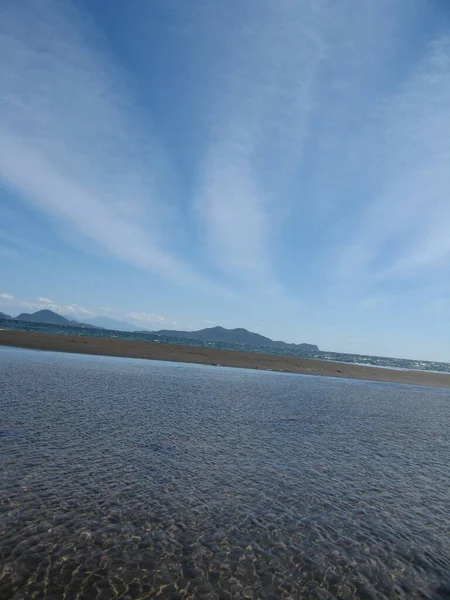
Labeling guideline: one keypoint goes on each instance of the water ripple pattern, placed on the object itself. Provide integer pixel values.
(133, 479)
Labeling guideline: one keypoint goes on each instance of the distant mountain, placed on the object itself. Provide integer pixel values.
(211, 334)
(52, 318)
(4, 316)
(49, 317)
(234, 336)
(44, 316)
(108, 323)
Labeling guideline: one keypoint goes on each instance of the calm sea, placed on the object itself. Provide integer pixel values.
(124, 478)
(362, 359)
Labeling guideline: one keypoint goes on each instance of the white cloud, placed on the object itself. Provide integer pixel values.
(64, 309)
(210, 323)
(304, 103)
(375, 301)
(75, 144)
(8, 253)
(144, 317)
(75, 309)
(260, 120)
(403, 231)
(17, 244)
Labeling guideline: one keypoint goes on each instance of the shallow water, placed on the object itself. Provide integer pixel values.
(134, 479)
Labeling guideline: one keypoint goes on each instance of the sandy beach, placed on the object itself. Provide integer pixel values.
(210, 356)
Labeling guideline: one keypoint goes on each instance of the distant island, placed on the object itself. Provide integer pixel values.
(50, 318)
(210, 334)
(234, 336)
(44, 316)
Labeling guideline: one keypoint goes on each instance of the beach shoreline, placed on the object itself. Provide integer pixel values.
(218, 357)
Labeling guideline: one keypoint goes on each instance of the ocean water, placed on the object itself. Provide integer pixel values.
(362, 359)
(124, 478)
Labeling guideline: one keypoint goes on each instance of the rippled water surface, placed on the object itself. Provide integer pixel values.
(135, 479)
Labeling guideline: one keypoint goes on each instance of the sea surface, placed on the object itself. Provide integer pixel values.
(361, 359)
(124, 478)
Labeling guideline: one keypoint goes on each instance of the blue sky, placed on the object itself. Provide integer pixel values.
(278, 165)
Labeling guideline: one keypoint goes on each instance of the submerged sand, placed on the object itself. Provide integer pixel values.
(210, 356)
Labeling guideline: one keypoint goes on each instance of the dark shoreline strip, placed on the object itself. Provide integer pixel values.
(211, 356)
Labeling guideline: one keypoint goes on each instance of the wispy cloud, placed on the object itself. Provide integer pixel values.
(76, 144)
(147, 318)
(264, 78)
(317, 154)
(8, 253)
(16, 245)
(75, 310)
(402, 233)
(63, 309)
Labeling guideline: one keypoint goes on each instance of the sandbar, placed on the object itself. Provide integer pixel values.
(211, 356)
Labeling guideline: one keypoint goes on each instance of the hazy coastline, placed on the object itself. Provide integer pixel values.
(212, 356)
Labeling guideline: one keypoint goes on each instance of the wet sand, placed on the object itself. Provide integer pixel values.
(210, 356)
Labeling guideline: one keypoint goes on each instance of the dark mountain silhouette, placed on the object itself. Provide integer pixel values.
(49, 317)
(44, 316)
(211, 334)
(234, 336)
(4, 316)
